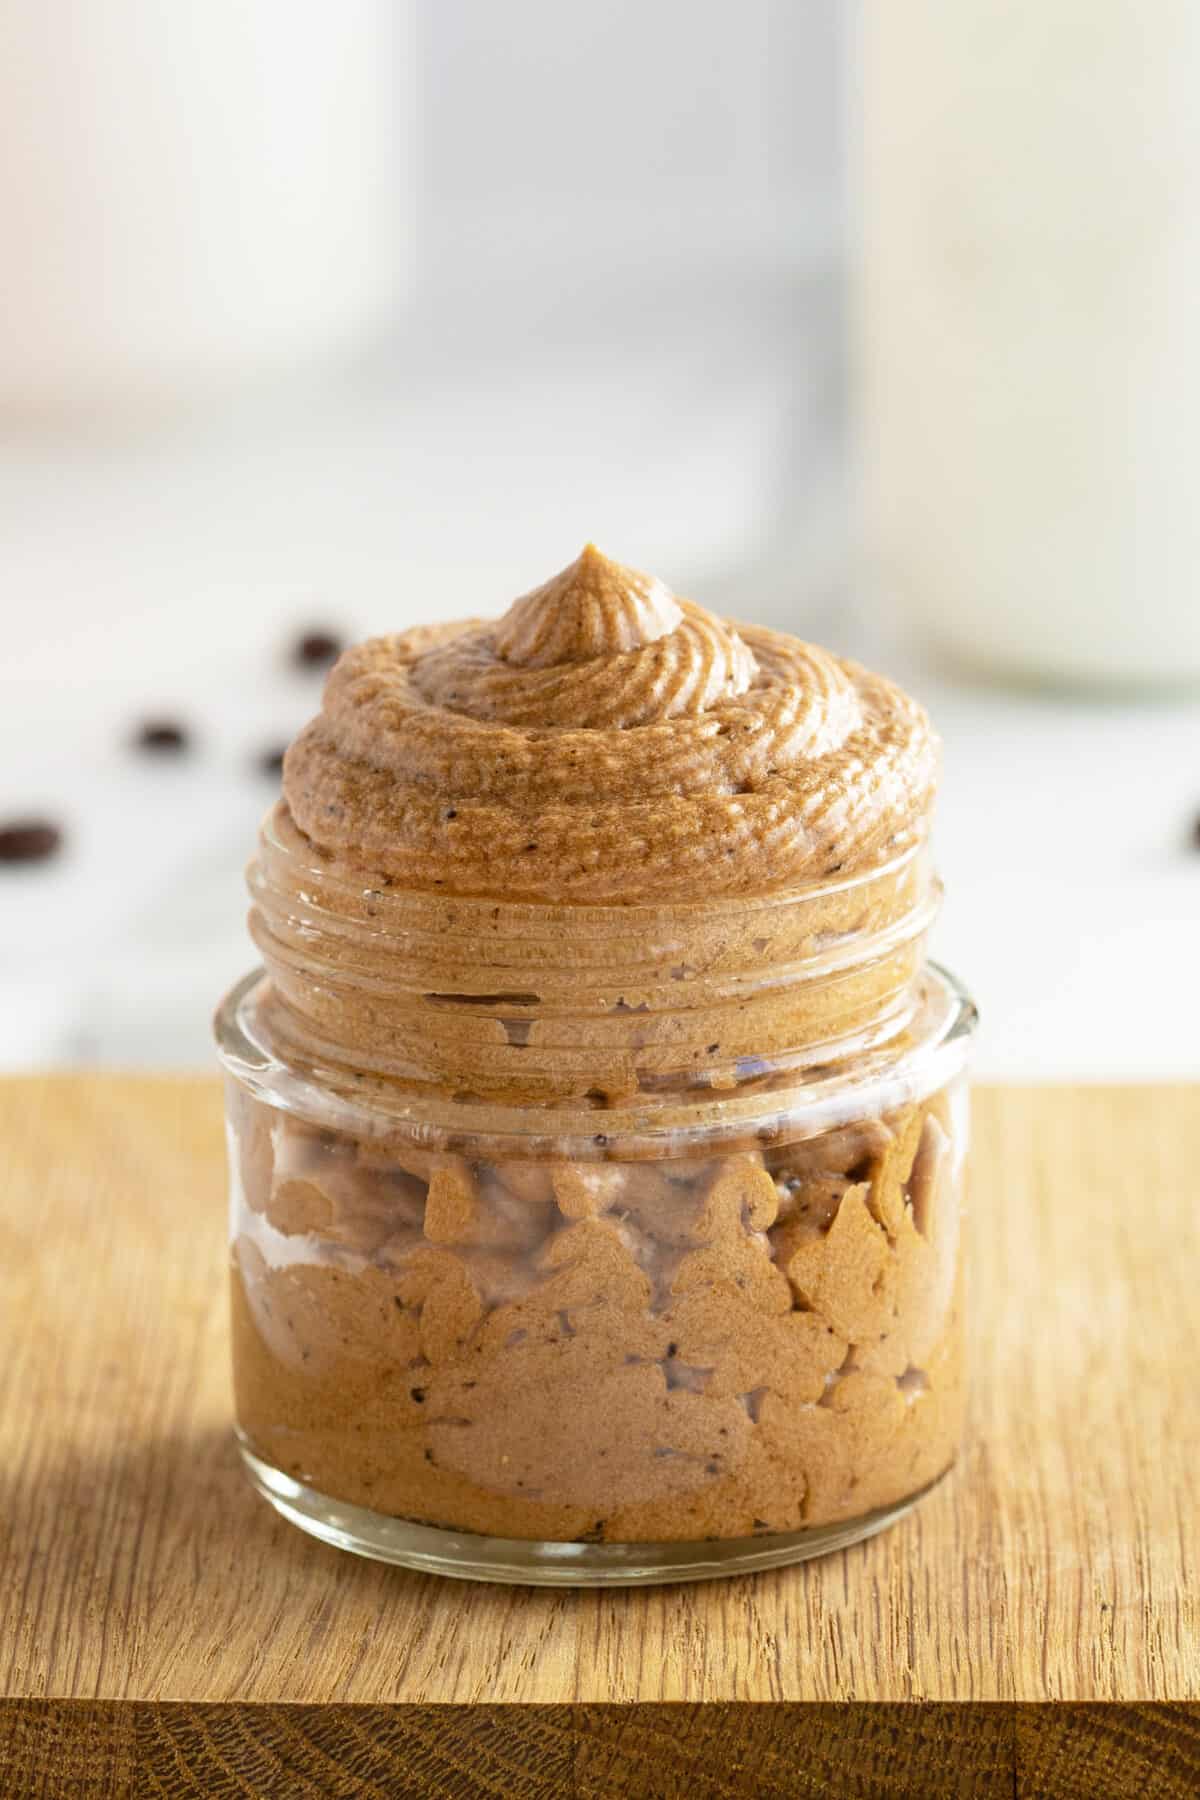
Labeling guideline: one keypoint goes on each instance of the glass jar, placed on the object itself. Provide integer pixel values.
(585, 1244)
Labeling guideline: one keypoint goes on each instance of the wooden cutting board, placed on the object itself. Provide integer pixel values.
(1060, 1561)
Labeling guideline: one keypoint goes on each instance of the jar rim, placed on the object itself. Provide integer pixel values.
(877, 1078)
(519, 1002)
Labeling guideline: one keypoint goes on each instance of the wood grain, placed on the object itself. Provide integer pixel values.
(717, 1752)
(125, 1750)
(1107, 1752)
(1060, 1561)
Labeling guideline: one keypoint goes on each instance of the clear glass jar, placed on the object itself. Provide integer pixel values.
(589, 1245)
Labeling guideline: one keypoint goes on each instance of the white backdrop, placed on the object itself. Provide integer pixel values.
(669, 132)
(627, 324)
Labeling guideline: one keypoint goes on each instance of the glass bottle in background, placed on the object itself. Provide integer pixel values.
(1030, 369)
(194, 194)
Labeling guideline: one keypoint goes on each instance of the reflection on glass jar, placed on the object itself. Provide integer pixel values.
(708, 1327)
(597, 1121)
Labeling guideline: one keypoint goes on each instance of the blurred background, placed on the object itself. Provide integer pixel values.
(874, 322)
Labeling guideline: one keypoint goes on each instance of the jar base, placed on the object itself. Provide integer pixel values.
(532, 1563)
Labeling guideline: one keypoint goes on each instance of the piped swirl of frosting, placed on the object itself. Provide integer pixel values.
(605, 742)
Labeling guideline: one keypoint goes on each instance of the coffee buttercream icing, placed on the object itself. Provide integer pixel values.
(607, 742)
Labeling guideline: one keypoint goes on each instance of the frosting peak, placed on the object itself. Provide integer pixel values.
(606, 742)
(598, 647)
(594, 607)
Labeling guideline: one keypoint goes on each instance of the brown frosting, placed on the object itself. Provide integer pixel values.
(607, 742)
(690, 1348)
(606, 847)
(610, 862)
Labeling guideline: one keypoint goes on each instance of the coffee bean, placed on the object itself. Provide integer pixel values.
(270, 762)
(162, 735)
(316, 649)
(28, 840)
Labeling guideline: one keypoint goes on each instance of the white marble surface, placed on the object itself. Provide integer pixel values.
(164, 573)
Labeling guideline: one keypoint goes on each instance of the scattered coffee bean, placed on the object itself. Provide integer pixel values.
(28, 840)
(162, 735)
(316, 649)
(270, 762)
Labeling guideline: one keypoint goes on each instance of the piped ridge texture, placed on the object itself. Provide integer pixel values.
(606, 742)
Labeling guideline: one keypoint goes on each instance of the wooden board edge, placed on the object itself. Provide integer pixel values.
(118, 1750)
